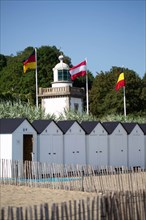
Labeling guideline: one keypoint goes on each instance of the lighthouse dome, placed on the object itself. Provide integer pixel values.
(61, 65)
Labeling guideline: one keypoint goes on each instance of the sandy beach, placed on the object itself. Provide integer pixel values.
(16, 196)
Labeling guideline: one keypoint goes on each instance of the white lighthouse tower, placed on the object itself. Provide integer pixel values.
(62, 96)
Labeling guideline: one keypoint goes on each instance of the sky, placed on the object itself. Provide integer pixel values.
(107, 33)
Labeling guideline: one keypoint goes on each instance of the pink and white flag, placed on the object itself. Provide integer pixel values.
(78, 70)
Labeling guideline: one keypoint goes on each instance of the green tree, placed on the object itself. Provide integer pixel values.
(3, 61)
(143, 95)
(105, 100)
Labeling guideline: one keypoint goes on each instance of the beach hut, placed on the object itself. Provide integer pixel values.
(136, 145)
(18, 142)
(96, 143)
(117, 143)
(74, 142)
(50, 141)
(18, 139)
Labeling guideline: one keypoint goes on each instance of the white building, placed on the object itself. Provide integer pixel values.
(96, 143)
(136, 145)
(118, 149)
(18, 141)
(50, 141)
(74, 142)
(61, 96)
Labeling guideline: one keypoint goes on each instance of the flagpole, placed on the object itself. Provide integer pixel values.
(87, 93)
(124, 101)
(36, 78)
(124, 95)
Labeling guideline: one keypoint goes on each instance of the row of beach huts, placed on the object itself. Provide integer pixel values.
(70, 142)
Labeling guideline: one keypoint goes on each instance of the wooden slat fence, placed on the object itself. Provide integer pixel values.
(72, 177)
(108, 206)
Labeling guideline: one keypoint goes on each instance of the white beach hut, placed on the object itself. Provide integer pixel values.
(136, 145)
(74, 142)
(18, 141)
(50, 141)
(117, 144)
(96, 143)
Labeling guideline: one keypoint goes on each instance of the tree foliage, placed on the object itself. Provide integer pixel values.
(104, 99)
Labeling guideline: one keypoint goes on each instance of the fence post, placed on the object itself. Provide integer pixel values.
(82, 179)
(46, 211)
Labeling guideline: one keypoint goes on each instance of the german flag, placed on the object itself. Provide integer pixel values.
(30, 62)
(121, 81)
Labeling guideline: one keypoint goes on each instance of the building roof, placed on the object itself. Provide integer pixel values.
(143, 128)
(41, 125)
(61, 65)
(65, 125)
(88, 126)
(110, 126)
(9, 125)
(129, 126)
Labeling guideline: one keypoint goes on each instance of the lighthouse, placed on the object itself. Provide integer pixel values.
(62, 96)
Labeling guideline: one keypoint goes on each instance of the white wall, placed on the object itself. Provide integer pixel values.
(97, 147)
(5, 153)
(137, 148)
(51, 148)
(51, 145)
(118, 151)
(6, 146)
(59, 104)
(98, 150)
(74, 145)
(55, 105)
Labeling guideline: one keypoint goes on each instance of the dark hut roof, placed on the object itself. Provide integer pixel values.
(88, 126)
(9, 125)
(143, 127)
(110, 126)
(129, 126)
(65, 125)
(41, 125)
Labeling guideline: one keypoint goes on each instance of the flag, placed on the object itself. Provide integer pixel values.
(78, 70)
(121, 81)
(30, 62)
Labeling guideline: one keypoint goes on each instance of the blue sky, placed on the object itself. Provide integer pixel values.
(107, 33)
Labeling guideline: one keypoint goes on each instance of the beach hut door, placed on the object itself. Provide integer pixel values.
(27, 147)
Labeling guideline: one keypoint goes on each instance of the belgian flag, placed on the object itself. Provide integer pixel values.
(30, 62)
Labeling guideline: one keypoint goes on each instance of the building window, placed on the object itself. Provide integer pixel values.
(63, 75)
(76, 107)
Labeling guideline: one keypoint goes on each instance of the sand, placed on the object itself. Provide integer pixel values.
(16, 196)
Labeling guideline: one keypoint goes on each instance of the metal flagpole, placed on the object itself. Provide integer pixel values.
(36, 78)
(124, 101)
(124, 94)
(87, 95)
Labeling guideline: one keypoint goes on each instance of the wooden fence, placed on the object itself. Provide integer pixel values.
(71, 177)
(109, 206)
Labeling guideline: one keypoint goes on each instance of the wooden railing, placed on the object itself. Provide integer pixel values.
(111, 206)
(67, 90)
(72, 177)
